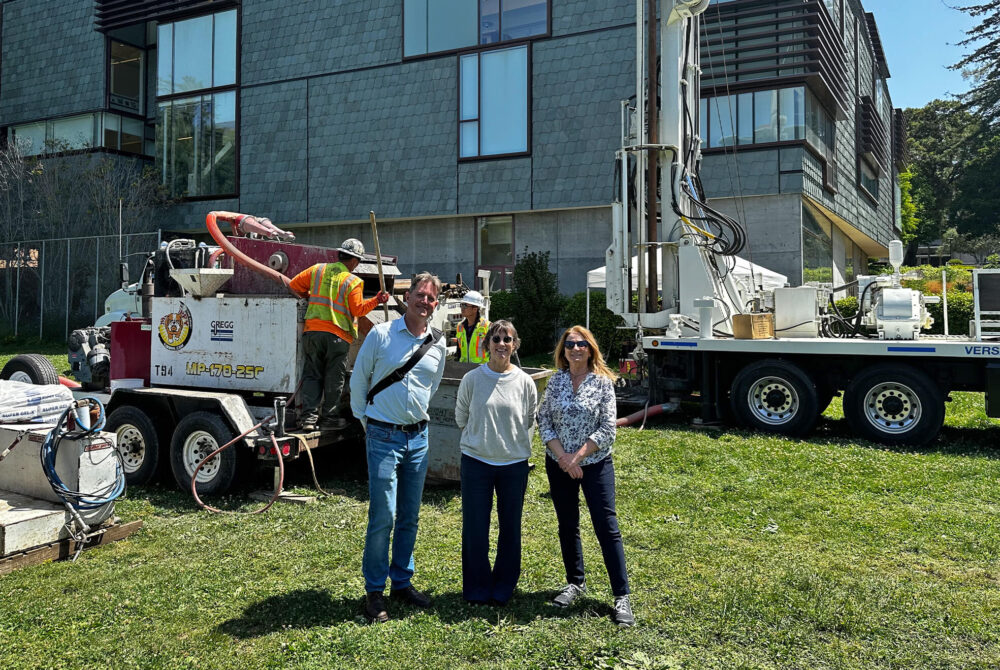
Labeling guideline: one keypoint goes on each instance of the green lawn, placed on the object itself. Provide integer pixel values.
(744, 551)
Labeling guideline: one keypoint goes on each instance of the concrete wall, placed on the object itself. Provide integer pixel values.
(774, 231)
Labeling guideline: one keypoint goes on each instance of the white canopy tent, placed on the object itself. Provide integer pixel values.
(769, 279)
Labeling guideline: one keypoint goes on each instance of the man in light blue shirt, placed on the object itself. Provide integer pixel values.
(396, 441)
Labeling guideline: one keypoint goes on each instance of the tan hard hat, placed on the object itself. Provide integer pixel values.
(352, 247)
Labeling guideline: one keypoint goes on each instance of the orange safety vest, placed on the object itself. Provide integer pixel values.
(328, 291)
(476, 351)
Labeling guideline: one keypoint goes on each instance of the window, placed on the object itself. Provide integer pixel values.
(196, 144)
(817, 248)
(126, 77)
(196, 138)
(493, 102)
(766, 116)
(495, 249)
(432, 26)
(84, 131)
(868, 178)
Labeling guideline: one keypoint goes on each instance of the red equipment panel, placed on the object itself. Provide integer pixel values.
(130, 342)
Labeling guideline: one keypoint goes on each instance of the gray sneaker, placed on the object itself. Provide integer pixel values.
(569, 593)
(623, 612)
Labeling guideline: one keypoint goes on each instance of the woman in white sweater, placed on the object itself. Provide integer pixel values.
(496, 412)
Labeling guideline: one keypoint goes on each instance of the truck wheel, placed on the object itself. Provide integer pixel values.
(894, 404)
(196, 436)
(138, 443)
(776, 397)
(31, 369)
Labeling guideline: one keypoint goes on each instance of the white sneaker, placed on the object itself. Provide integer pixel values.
(569, 593)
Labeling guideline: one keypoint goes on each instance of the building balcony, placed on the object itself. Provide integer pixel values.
(113, 14)
(766, 44)
(873, 136)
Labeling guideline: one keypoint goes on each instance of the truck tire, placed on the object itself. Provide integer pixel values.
(894, 404)
(138, 443)
(31, 369)
(775, 396)
(196, 436)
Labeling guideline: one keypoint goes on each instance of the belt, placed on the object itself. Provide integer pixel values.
(407, 428)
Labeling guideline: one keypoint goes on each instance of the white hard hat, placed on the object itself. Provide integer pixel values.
(474, 298)
(352, 247)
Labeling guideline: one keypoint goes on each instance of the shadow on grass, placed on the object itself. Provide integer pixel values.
(311, 608)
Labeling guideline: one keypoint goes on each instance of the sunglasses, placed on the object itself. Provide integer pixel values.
(572, 344)
(507, 339)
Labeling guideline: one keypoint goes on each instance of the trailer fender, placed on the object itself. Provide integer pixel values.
(176, 403)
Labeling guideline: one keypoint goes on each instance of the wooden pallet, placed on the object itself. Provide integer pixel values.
(56, 551)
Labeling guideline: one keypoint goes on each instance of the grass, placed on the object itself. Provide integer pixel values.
(744, 551)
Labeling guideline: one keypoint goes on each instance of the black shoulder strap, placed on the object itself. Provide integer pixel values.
(400, 372)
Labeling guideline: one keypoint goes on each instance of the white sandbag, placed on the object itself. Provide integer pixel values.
(20, 401)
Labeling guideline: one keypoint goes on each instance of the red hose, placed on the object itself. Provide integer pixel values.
(236, 254)
(642, 414)
(68, 383)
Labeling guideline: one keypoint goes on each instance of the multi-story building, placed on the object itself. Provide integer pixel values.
(474, 129)
(800, 139)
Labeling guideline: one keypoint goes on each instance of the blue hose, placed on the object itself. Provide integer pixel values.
(50, 447)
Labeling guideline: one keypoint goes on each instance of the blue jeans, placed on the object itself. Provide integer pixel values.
(598, 486)
(397, 466)
(480, 582)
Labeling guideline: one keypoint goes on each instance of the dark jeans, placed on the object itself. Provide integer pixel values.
(598, 485)
(480, 582)
(323, 371)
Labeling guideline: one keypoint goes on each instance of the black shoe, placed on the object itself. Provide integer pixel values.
(412, 596)
(568, 594)
(375, 609)
(333, 424)
(623, 612)
(307, 424)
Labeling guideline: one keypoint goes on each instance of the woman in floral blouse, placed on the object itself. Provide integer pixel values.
(577, 424)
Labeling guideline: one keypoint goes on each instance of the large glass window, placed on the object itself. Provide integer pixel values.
(868, 178)
(127, 76)
(766, 116)
(817, 248)
(495, 249)
(196, 144)
(431, 26)
(197, 53)
(493, 92)
(81, 132)
(196, 138)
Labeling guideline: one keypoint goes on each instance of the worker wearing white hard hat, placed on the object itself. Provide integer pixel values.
(472, 330)
(335, 301)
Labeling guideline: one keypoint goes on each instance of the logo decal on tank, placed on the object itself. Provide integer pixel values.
(175, 328)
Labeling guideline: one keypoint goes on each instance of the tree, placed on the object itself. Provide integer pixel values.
(982, 65)
(909, 221)
(940, 145)
(535, 301)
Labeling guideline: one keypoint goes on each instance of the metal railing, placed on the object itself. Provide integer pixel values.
(50, 287)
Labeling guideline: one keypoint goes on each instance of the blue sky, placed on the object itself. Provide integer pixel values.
(919, 38)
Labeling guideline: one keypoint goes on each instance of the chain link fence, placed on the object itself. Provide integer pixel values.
(50, 287)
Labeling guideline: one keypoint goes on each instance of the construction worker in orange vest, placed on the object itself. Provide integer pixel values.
(335, 300)
(472, 330)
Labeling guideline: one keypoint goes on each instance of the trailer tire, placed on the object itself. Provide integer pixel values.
(196, 436)
(894, 404)
(30, 368)
(775, 396)
(138, 443)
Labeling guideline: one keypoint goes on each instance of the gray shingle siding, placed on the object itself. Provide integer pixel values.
(273, 154)
(53, 60)
(286, 40)
(494, 185)
(577, 84)
(384, 139)
(575, 16)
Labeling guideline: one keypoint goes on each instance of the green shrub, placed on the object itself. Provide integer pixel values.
(501, 305)
(960, 310)
(992, 262)
(848, 306)
(954, 261)
(536, 303)
(604, 323)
